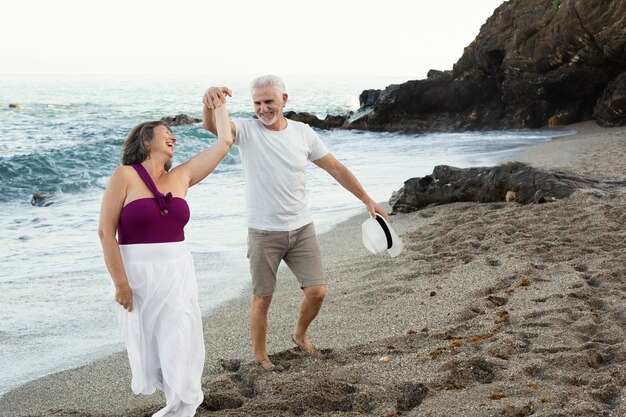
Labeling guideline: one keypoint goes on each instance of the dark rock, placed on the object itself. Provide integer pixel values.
(179, 120)
(610, 110)
(41, 200)
(335, 121)
(523, 183)
(15, 106)
(532, 65)
(368, 97)
(433, 74)
(330, 122)
(303, 117)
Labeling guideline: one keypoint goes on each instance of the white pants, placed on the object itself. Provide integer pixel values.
(163, 333)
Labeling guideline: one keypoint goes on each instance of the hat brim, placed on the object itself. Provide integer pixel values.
(397, 244)
(372, 226)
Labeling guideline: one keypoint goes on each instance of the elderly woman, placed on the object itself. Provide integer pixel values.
(151, 267)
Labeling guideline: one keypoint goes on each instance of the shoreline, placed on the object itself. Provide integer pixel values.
(405, 309)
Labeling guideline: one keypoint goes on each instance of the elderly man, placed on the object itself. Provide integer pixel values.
(274, 154)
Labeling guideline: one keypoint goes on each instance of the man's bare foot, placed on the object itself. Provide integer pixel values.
(306, 345)
(266, 364)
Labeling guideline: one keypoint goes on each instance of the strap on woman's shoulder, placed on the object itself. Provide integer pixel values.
(147, 179)
(162, 200)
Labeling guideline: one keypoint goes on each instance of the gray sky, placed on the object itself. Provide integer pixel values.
(335, 37)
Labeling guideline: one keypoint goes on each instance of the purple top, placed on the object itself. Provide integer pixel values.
(152, 220)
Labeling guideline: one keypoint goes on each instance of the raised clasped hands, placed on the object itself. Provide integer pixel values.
(216, 96)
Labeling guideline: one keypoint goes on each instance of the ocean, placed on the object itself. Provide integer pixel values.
(56, 310)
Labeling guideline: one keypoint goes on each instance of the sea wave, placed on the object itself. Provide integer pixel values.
(80, 165)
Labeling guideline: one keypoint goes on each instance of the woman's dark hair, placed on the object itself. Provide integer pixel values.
(137, 145)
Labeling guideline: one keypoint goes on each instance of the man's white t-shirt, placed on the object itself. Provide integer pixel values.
(274, 169)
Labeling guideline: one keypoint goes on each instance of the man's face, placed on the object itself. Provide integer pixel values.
(268, 105)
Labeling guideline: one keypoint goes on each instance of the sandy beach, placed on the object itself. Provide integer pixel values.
(493, 309)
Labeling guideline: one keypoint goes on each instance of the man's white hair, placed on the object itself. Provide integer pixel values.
(269, 80)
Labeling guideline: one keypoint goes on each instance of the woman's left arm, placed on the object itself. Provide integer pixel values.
(112, 203)
(202, 164)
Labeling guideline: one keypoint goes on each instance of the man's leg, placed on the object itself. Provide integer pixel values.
(305, 261)
(265, 250)
(309, 307)
(258, 329)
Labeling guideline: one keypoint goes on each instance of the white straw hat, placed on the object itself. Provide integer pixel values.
(378, 236)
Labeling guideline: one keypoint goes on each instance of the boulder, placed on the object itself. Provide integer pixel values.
(41, 200)
(534, 63)
(511, 182)
(610, 110)
(330, 122)
(179, 120)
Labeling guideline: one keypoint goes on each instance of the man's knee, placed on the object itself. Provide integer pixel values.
(316, 293)
(261, 302)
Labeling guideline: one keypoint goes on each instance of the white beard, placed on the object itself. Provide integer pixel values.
(270, 122)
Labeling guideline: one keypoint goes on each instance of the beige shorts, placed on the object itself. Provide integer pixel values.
(298, 248)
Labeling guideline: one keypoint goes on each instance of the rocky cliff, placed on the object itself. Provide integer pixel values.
(535, 63)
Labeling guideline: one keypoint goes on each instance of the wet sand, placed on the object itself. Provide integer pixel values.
(493, 309)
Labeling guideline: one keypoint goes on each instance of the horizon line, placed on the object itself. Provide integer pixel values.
(206, 75)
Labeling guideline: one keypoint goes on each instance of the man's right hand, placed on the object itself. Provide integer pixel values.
(216, 96)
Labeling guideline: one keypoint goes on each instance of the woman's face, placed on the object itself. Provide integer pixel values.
(163, 140)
